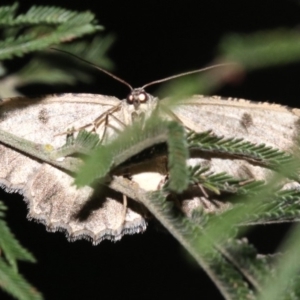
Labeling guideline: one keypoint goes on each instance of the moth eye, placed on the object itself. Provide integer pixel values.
(142, 97)
(130, 98)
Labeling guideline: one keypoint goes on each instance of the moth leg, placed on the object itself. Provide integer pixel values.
(73, 130)
(98, 121)
(207, 202)
(107, 124)
(203, 190)
(124, 210)
(246, 181)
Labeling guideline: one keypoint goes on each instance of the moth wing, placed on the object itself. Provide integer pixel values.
(260, 123)
(51, 197)
(272, 124)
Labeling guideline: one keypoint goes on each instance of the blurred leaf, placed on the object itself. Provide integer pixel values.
(11, 251)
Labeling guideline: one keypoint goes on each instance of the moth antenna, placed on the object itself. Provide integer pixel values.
(95, 66)
(185, 74)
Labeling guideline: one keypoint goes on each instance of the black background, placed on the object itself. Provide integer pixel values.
(154, 39)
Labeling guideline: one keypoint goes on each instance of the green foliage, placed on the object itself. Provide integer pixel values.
(11, 251)
(253, 51)
(194, 238)
(54, 25)
(52, 67)
(243, 53)
(220, 182)
(282, 206)
(38, 29)
(285, 283)
(259, 154)
(178, 155)
(84, 143)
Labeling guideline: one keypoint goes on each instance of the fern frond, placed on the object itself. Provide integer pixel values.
(245, 258)
(285, 283)
(39, 15)
(226, 275)
(253, 51)
(11, 251)
(7, 13)
(235, 287)
(282, 206)
(69, 25)
(14, 284)
(178, 155)
(260, 154)
(11, 248)
(213, 182)
(199, 244)
(53, 67)
(3, 208)
(276, 206)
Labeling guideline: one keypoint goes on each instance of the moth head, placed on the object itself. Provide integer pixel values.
(137, 96)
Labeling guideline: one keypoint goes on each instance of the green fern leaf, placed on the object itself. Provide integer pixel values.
(69, 25)
(10, 280)
(14, 284)
(178, 155)
(260, 154)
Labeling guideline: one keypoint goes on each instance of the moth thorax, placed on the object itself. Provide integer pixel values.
(136, 97)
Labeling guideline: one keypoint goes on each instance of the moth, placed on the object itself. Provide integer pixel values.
(97, 215)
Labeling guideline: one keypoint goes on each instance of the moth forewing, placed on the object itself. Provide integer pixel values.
(51, 197)
(259, 123)
(83, 213)
(271, 124)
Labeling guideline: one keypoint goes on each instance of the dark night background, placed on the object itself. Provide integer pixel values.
(154, 39)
